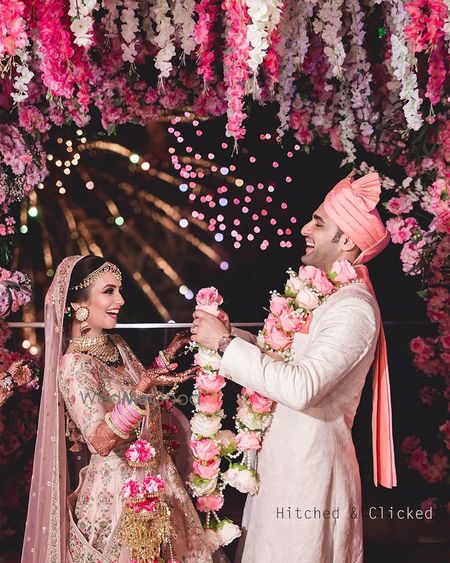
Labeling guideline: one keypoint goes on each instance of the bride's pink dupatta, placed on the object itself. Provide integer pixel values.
(45, 539)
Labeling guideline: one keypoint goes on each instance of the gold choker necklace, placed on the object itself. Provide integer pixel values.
(100, 347)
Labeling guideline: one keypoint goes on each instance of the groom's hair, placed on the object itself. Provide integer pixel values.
(337, 235)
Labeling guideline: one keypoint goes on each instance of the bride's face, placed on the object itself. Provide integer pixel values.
(104, 303)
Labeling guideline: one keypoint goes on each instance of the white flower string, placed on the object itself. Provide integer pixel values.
(264, 18)
(163, 38)
(183, 18)
(111, 17)
(129, 29)
(348, 126)
(293, 47)
(23, 74)
(328, 24)
(358, 72)
(82, 21)
(403, 63)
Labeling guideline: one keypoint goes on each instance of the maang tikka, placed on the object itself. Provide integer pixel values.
(82, 315)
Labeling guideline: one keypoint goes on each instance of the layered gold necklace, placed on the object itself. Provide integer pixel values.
(100, 347)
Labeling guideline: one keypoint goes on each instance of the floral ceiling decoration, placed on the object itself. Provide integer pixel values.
(369, 75)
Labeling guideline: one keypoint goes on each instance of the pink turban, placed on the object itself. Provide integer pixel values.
(352, 206)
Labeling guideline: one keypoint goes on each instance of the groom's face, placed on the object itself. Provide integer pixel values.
(322, 241)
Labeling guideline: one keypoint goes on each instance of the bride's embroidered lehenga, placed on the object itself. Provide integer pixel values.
(83, 526)
(90, 388)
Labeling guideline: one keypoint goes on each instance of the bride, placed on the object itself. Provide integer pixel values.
(85, 380)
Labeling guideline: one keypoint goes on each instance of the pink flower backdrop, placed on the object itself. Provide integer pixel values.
(369, 74)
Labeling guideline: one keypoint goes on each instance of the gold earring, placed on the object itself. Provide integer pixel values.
(82, 314)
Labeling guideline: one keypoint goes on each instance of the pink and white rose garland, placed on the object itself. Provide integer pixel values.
(209, 442)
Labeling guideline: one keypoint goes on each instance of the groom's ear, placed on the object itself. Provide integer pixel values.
(346, 244)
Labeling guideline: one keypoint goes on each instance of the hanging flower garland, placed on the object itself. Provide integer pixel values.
(13, 30)
(111, 17)
(22, 164)
(359, 74)
(55, 47)
(82, 21)
(292, 49)
(264, 18)
(403, 62)
(23, 74)
(163, 38)
(129, 29)
(205, 37)
(183, 12)
(235, 65)
(328, 24)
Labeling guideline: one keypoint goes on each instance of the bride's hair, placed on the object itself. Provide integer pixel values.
(82, 269)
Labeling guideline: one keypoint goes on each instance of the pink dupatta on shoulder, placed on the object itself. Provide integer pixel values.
(45, 538)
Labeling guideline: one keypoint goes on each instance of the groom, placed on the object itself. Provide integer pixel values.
(308, 507)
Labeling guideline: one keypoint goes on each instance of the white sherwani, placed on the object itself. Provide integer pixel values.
(308, 508)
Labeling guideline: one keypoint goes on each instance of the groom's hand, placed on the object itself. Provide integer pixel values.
(207, 329)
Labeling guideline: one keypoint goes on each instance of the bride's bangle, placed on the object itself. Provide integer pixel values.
(114, 428)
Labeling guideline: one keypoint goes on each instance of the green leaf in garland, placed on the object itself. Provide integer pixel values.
(381, 32)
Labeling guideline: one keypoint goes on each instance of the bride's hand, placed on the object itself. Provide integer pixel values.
(165, 376)
(180, 340)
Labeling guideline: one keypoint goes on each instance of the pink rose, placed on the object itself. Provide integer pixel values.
(317, 278)
(207, 470)
(210, 502)
(270, 323)
(258, 403)
(290, 322)
(342, 272)
(204, 450)
(209, 403)
(278, 340)
(248, 441)
(208, 299)
(226, 438)
(278, 304)
(206, 382)
(294, 284)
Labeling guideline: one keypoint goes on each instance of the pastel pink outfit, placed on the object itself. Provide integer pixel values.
(89, 388)
(307, 461)
(81, 526)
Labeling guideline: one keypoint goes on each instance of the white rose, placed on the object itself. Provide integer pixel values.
(205, 425)
(241, 479)
(227, 532)
(204, 488)
(212, 539)
(306, 298)
(207, 358)
(247, 418)
(251, 420)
